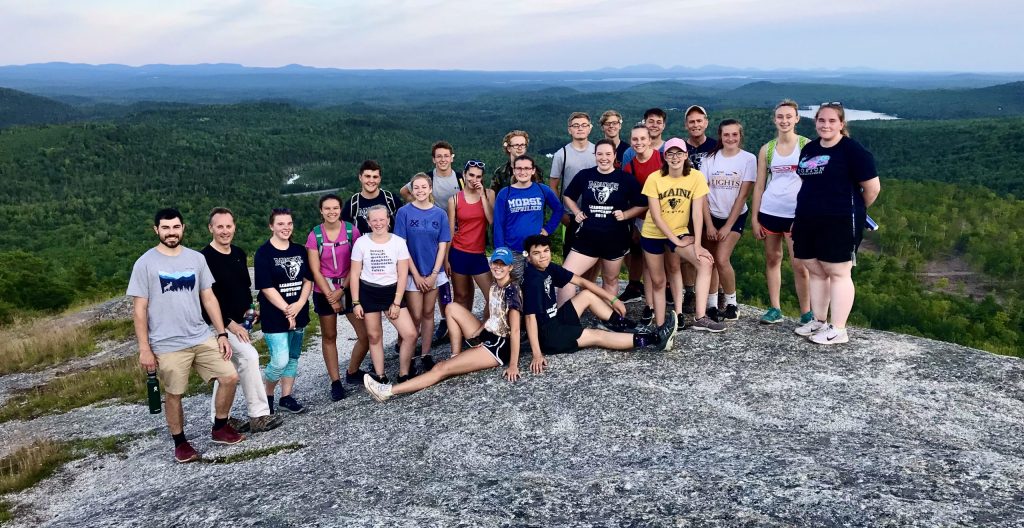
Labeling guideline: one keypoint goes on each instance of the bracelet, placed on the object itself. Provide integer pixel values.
(612, 302)
(355, 303)
(396, 304)
(222, 334)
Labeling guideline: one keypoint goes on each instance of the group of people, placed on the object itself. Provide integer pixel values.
(670, 211)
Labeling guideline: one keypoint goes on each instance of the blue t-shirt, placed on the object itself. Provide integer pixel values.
(284, 271)
(539, 290)
(597, 195)
(423, 230)
(831, 178)
(519, 213)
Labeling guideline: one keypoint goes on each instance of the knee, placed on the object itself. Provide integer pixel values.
(774, 259)
(228, 381)
(374, 338)
(443, 369)
(409, 335)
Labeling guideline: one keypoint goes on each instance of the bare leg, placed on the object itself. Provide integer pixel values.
(703, 282)
(462, 290)
(579, 264)
(592, 337)
(375, 337)
(225, 396)
(820, 289)
(461, 323)
(654, 280)
(426, 325)
(773, 268)
(362, 345)
(801, 277)
(673, 267)
(723, 254)
(472, 360)
(610, 275)
(407, 331)
(841, 291)
(174, 413)
(586, 300)
(329, 344)
(483, 281)
(287, 384)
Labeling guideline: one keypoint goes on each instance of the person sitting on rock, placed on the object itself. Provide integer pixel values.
(554, 329)
(495, 343)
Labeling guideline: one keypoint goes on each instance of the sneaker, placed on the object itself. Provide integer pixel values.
(806, 317)
(708, 325)
(337, 390)
(261, 424)
(440, 333)
(680, 322)
(772, 316)
(731, 313)
(407, 377)
(238, 425)
(426, 363)
(380, 391)
(632, 293)
(712, 313)
(667, 331)
(647, 316)
(383, 378)
(810, 328)
(290, 404)
(185, 453)
(830, 335)
(356, 378)
(619, 324)
(689, 302)
(226, 435)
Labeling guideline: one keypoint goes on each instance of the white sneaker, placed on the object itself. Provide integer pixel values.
(809, 328)
(830, 335)
(380, 391)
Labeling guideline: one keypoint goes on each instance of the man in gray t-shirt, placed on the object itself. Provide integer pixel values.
(567, 161)
(168, 283)
(445, 181)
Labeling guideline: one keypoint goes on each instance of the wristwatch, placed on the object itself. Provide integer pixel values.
(222, 334)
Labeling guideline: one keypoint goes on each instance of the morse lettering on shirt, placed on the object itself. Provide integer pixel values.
(522, 205)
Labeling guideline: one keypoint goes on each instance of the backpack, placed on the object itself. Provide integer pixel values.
(318, 232)
(353, 205)
(801, 142)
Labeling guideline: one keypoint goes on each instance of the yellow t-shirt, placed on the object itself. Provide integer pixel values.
(674, 195)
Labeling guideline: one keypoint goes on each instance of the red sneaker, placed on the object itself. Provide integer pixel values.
(226, 435)
(185, 453)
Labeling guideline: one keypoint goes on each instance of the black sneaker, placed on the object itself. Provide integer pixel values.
(407, 377)
(689, 302)
(647, 317)
(355, 379)
(291, 405)
(440, 333)
(667, 331)
(426, 363)
(731, 313)
(383, 378)
(618, 324)
(680, 322)
(337, 390)
(707, 325)
(712, 313)
(632, 293)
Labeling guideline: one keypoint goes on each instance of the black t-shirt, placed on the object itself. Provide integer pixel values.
(598, 195)
(539, 290)
(233, 287)
(354, 210)
(619, 152)
(831, 178)
(697, 154)
(283, 271)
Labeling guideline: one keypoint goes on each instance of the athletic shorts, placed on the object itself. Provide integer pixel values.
(832, 239)
(374, 298)
(173, 367)
(570, 237)
(741, 222)
(613, 247)
(559, 335)
(322, 307)
(499, 347)
(775, 225)
(657, 246)
(442, 279)
(467, 263)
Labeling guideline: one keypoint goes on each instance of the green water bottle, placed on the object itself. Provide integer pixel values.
(153, 390)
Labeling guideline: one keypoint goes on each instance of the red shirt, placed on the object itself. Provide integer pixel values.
(470, 225)
(643, 170)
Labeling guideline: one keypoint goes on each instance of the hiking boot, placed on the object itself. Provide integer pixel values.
(356, 378)
(383, 378)
(647, 316)
(337, 390)
(226, 435)
(830, 335)
(810, 328)
(632, 293)
(689, 302)
(238, 425)
(262, 424)
(680, 322)
(731, 313)
(712, 313)
(379, 391)
(707, 325)
(291, 405)
(772, 316)
(806, 317)
(185, 453)
(440, 333)
(426, 363)
(618, 324)
(667, 331)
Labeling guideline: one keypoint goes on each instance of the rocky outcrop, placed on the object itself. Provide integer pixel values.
(752, 427)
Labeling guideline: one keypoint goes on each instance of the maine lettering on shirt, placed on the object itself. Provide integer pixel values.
(523, 205)
(685, 193)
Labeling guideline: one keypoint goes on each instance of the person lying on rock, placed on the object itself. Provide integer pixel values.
(554, 329)
(494, 343)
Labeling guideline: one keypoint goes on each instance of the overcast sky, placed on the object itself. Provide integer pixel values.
(946, 35)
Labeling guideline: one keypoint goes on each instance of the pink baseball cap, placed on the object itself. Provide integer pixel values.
(674, 143)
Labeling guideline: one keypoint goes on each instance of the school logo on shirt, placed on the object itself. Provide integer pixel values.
(673, 203)
(177, 281)
(813, 166)
(547, 286)
(290, 265)
(603, 190)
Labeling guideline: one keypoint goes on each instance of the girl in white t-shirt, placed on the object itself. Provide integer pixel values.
(381, 261)
(731, 172)
(774, 207)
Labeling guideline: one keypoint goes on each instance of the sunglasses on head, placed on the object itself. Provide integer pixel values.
(832, 103)
(476, 163)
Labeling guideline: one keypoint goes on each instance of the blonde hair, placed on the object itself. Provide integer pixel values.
(578, 115)
(512, 134)
(789, 103)
(430, 182)
(607, 114)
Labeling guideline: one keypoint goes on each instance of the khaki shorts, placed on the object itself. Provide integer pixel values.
(173, 367)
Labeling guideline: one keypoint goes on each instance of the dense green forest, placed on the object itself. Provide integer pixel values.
(79, 198)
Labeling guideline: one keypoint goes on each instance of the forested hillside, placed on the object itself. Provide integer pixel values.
(78, 201)
(20, 108)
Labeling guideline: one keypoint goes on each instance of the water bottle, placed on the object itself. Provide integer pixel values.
(153, 390)
(250, 317)
(870, 223)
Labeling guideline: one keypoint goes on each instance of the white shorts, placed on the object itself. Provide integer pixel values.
(442, 279)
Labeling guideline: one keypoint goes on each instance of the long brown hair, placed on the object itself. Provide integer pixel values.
(842, 116)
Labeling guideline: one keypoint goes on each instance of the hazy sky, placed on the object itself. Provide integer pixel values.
(949, 35)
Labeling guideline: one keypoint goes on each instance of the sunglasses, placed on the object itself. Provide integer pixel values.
(476, 163)
(832, 103)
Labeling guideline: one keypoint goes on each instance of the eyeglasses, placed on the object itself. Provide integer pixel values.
(832, 103)
(580, 126)
(675, 154)
(476, 163)
(612, 123)
(522, 169)
(517, 145)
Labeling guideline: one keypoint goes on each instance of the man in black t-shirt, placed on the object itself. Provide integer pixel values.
(355, 208)
(554, 329)
(233, 290)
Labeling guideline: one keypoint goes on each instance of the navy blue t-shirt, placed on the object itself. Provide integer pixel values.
(539, 290)
(597, 195)
(831, 178)
(697, 154)
(283, 271)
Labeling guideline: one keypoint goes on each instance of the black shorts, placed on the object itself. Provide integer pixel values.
(741, 222)
(374, 298)
(570, 237)
(322, 307)
(614, 246)
(559, 335)
(499, 347)
(831, 239)
(775, 225)
(658, 246)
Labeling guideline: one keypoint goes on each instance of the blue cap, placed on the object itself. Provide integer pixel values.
(502, 254)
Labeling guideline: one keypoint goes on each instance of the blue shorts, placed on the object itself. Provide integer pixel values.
(467, 263)
(741, 222)
(657, 246)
